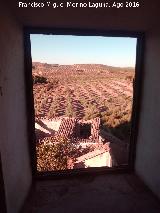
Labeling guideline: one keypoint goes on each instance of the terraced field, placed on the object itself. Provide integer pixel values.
(86, 92)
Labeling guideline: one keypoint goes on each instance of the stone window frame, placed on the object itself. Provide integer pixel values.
(137, 96)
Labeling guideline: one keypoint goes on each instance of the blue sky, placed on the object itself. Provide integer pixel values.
(67, 49)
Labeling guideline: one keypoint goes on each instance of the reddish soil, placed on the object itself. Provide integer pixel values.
(85, 92)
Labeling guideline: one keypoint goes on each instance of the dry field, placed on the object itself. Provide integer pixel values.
(85, 92)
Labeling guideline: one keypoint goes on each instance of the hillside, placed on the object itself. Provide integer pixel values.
(84, 110)
(86, 91)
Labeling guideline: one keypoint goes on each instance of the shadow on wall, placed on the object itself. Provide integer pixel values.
(121, 131)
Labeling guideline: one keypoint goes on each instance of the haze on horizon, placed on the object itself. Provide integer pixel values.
(69, 50)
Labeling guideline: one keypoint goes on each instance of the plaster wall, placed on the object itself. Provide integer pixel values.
(148, 144)
(13, 130)
(143, 18)
(98, 161)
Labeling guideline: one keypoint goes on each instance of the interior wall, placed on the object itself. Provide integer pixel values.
(2, 192)
(13, 130)
(148, 145)
(141, 18)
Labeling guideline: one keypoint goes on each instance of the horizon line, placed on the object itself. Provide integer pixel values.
(84, 64)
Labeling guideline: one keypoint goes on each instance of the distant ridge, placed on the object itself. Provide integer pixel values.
(79, 67)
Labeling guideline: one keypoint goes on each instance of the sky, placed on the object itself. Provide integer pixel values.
(68, 49)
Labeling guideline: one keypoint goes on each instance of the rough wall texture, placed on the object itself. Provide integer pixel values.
(13, 135)
(148, 145)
